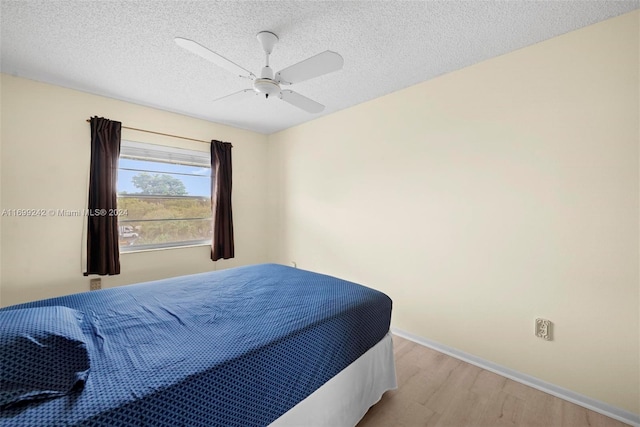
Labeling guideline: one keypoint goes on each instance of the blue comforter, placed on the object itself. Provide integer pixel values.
(237, 347)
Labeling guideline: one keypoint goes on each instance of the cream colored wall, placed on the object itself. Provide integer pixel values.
(45, 160)
(483, 199)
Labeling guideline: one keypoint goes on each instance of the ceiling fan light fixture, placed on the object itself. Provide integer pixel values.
(266, 86)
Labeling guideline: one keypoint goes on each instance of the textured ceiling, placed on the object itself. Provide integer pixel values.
(125, 49)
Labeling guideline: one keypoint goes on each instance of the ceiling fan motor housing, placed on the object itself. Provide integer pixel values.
(266, 86)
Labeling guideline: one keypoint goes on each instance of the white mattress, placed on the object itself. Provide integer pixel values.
(344, 399)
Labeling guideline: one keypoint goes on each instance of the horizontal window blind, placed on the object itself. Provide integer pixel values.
(161, 153)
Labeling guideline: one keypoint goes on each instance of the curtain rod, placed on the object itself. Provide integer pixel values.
(163, 134)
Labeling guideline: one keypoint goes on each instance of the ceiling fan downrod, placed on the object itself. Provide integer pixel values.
(266, 84)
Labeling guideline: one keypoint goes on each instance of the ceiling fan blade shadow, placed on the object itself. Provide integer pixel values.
(322, 63)
(238, 96)
(213, 57)
(302, 102)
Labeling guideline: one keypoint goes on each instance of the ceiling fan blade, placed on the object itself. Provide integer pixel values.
(211, 56)
(236, 96)
(322, 63)
(302, 102)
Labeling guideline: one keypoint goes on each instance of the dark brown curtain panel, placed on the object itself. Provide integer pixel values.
(102, 227)
(222, 242)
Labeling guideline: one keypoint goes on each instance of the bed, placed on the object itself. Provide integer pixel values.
(250, 346)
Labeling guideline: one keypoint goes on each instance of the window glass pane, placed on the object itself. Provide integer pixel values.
(135, 182)
(166, 204)
(163, 179)
(138, 234)
(158, 207)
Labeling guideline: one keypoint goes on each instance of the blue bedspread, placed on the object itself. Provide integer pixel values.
(236, 347)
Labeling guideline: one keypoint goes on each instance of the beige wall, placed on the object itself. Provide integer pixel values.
(45, 159)
(483, 199)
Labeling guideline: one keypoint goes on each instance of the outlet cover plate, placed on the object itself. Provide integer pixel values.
(543, 329)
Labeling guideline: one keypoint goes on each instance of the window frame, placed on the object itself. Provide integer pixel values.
(150, 152)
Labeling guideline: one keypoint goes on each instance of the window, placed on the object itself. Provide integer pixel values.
(164, 197)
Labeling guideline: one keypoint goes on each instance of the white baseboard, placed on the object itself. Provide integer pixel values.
(562, 393)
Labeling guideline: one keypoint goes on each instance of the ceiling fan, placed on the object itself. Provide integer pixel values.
(269, 84)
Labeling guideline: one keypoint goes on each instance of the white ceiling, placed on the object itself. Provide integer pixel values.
(125, 49)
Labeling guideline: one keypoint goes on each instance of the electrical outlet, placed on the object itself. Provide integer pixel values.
(543, 329)
(95, 284)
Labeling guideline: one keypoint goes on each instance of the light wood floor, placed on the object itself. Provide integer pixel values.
(437, 390)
